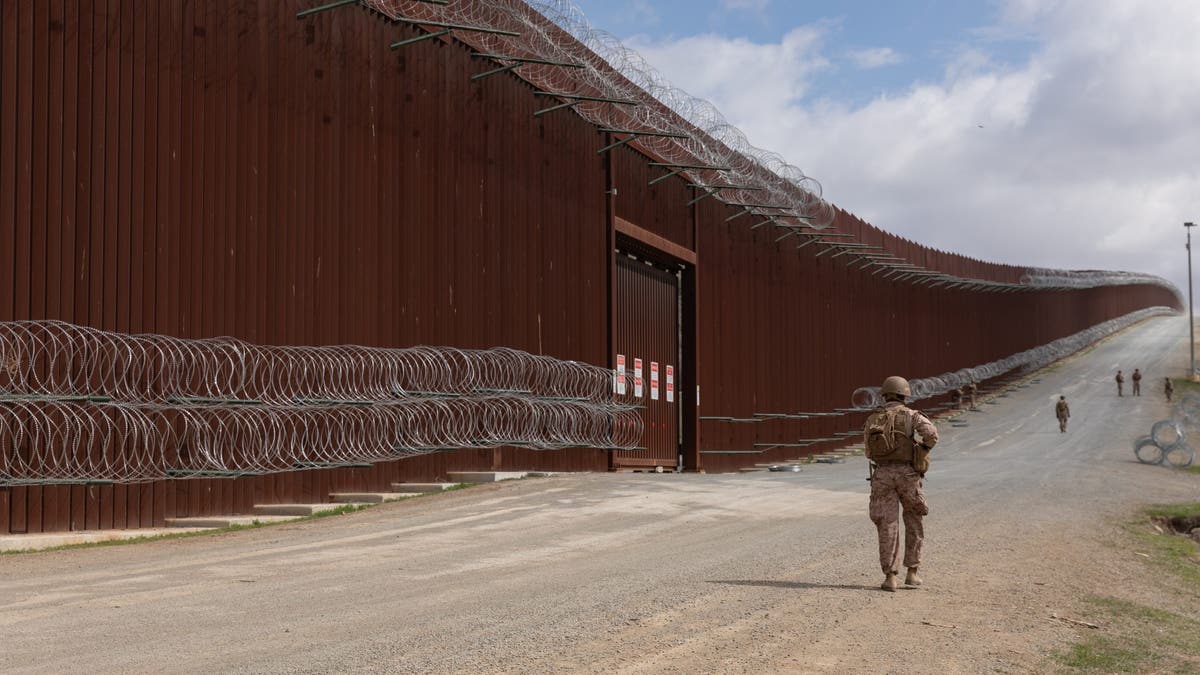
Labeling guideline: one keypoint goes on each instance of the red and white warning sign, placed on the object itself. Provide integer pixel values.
(670, 384)
(620, 374)
(654, 380)
(637, 378)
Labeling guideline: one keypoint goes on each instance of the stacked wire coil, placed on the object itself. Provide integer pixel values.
(79, 404)
(1167, 442)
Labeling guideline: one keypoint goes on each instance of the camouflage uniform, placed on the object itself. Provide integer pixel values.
(1120, 383)
(1063, 412)
(1137, 382)
(895, 485)
(972, 389)
(1168, 388)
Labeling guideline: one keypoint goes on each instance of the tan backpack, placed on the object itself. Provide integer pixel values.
(889, 435)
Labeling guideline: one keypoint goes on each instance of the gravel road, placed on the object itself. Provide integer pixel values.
(645, 572)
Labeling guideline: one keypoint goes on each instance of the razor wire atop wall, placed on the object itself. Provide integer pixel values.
(558, 51)
(1049, 278)
(1028, 360)
(79, 404)
(550, 44)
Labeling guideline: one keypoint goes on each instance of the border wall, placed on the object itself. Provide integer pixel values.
(199, 169)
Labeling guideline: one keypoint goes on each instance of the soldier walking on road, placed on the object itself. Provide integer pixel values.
(1120, 382)
(956, 397)
(1168, 388)
(898, 441)
(1137, 382)
(972, 389)
(1063, 412)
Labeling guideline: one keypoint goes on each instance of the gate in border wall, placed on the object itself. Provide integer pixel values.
(648, 354)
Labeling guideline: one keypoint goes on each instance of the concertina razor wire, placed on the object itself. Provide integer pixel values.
(79, 404)
(866, 398)
(551, 45)
(1167, 442)
(575, 59)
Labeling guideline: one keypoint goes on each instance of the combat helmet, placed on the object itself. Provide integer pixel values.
(895, 385)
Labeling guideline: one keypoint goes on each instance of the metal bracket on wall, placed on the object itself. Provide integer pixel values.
(343, 3)
(793, 229)
(812, 236)
(851, 247)
(711, 190)
(749, 208)
(457, 26)
(420, 38)
(576, 99)
(894, 268)
(680, 168)
(518, 62)
(888, 262)
(324, 8)
(633, 135)
(861, 255)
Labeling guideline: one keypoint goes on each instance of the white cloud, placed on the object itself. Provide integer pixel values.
(1086, 156)
(748, 81)
(873, 58)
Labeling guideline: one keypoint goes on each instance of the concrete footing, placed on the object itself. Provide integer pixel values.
(484, 476)
(35, 542)
(422, 487)
(294, 509)
(210, 522)
(262, 513)
(371, 497)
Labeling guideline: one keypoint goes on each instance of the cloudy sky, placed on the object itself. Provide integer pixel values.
(1051, 133)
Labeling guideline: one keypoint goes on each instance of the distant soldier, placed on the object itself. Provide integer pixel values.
(1168, 388)
(957, 397)
(1063, 412)
(1137, 382)
(898, 441)
(1120, 383)
(972, 389)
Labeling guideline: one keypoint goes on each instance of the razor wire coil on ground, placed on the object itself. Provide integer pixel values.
(79, 404)
(1167, 443)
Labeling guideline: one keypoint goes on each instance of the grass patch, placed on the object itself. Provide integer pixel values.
(1175, 554)
(1136, 638)
(339, 511)
(1184, 385)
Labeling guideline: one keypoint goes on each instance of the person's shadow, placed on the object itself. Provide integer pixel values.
(766, 583)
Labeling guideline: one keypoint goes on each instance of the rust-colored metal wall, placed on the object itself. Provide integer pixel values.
(648, 294)
(221, 168)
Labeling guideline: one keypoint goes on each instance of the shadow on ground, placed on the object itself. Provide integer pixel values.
(766, 583)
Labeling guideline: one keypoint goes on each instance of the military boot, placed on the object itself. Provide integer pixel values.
(912, 579)
(889, 583)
